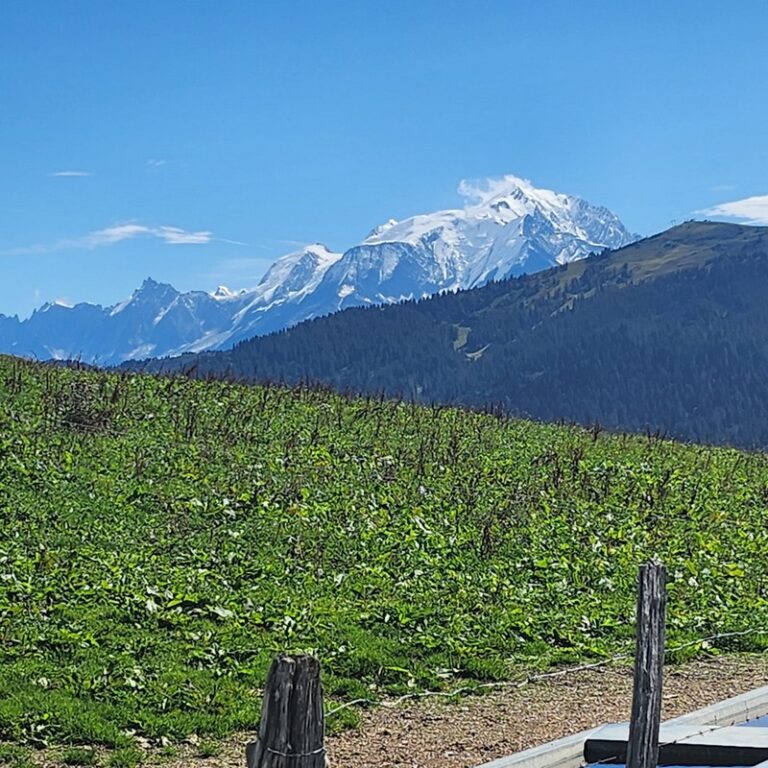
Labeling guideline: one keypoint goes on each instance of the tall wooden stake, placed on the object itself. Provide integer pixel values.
(643, 747)
(292, 720)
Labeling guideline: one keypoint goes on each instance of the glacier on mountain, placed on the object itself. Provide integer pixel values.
(506, 227)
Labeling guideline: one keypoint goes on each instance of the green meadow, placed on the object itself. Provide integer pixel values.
(162, 539)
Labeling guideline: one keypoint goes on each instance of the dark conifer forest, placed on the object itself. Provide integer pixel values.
(669, 334)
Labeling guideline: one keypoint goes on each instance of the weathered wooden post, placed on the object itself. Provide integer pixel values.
(292, 721)
(643, 746)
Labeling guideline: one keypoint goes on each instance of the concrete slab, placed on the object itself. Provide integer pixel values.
(738, 709)
(569, 751)
(684, 744)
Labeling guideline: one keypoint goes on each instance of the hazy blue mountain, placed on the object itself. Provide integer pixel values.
(507, 227)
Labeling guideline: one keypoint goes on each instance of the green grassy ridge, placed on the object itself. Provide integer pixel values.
(161, 540)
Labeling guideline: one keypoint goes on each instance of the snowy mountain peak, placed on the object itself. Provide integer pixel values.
(294, 275)
(506, 226)
(60, 303)
(320, 250)
(487, 191)
(223, 293)
(151, 288)
(376, 231)
(314, 256)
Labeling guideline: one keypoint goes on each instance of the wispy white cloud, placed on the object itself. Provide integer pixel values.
(155, 163)
(751, 210)
(119, 233)
(723, 188)
(70, 174)
(477, 191)
(176, 236)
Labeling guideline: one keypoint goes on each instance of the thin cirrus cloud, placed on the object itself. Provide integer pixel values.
(119, 233)
(751, 210)
(70, 174)
(169, 235)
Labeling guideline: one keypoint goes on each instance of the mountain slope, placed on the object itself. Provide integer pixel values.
(507, 227)
(669, 333)
(156, 319)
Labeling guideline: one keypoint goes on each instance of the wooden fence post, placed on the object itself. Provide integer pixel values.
(643, 746)
(292, 724)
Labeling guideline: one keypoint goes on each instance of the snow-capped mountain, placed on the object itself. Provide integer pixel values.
(155, 319)
(506, 227)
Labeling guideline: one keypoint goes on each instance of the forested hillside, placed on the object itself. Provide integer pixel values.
(668, 334)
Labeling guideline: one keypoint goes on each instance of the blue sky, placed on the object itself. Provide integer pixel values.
(194, 141)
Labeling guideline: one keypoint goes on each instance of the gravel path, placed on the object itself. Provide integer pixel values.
(466, 734)
(432, 733)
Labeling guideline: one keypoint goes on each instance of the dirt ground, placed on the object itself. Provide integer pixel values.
(465, 733)
(432, 732)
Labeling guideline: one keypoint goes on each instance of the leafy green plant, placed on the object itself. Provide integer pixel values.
(207, 749)
(149, 571)
(168, 752)
(15, 756)
(127, 757)
(79, 756)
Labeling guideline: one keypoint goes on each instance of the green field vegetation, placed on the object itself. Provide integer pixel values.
(666, 333)
(161, 540)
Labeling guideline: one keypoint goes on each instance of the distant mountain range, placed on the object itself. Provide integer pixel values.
(507, 227)
(669, 333)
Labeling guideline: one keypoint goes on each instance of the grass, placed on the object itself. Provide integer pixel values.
(207, 749)
(127, 757)
(161, 540)
(79, 756)
(14, 756)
